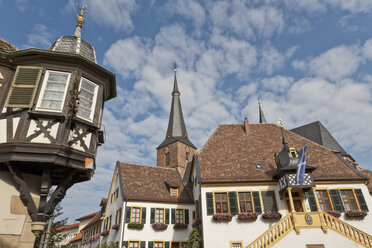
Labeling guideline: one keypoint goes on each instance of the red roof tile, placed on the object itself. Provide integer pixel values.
(77, 237)
(87, 216)
(150, 183)
(68, 227)
(230, 155)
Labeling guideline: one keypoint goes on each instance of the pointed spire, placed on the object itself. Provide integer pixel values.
(175, 85)
(262, 116)
(284, 140)
(176, 125)
(80, 20)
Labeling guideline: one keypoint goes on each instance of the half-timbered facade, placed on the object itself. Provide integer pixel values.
(50, 117)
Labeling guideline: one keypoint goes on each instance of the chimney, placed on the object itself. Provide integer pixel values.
(246, 126)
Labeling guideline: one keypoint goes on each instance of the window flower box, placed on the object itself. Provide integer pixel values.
(222, 217)
(180, 226)
(335, 213)
(115, 227)
(159, 226)
(269, 215)
(196, 222)
(355, 214)
(135, 226)
(247, 216)
(105, 232)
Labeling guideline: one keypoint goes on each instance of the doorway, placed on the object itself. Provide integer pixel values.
(298, 202)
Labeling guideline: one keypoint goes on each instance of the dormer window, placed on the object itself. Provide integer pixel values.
(173, 191)
(87, 99)
(53, 91)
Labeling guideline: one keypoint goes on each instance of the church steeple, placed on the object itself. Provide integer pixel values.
(176, 150)
(176, 124)
(261, 117)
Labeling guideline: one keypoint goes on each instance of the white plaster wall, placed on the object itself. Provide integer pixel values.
(70, 234)
(149, 234)
(111, 210)
(315, 236)
(364, 224)
(3, 131)
(219, 234)
(42, 138)
(15, 124)
(83, 223)
(13, 223)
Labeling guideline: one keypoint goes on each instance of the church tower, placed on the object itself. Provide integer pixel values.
(176, 150)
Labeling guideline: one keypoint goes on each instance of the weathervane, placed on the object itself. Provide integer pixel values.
(80, 19)
(280, 122)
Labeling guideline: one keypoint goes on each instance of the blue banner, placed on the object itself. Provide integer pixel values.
(301, 165)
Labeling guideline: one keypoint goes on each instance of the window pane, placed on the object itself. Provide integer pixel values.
(84, 113)
(87, 86)
(55, 88)
(56, 77)
(48, 104)
(86, 97)
(268, 199)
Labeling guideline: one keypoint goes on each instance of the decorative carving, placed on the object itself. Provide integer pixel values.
(43, 130)
(79, 136)
(44, 191)
(73, 102)
(24, 192)
(59, 193)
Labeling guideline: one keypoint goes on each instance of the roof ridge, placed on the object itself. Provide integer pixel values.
(150, 166)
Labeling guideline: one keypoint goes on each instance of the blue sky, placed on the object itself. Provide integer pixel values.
(307, 60)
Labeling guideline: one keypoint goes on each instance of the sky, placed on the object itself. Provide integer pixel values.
(307, 60)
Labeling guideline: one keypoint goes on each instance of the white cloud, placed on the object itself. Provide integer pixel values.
(271, 59)
(191, 10)
(277, 84)
(354, 6)
(112, 13)
(367, 49)
(40, 37)
(22, 5)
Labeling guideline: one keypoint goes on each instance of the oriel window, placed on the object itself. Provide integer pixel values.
(87, 99)
(53, 91)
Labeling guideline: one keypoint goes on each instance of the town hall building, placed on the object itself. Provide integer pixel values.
(240, 190)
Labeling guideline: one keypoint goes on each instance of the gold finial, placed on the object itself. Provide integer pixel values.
(280, 122)
(80, 19)
(259, 102)
(175, 66)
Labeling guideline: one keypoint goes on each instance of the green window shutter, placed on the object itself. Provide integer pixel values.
(167, 216)
(125, 243)
(257, 202)
(312, 201)
(233, 203)
(143, 244)
(143, 215)
(150, 244)
(166, 245)
(361, 200)
(127, 217)
(336, 199)
(173, 216)
(152, 219)
(186, 216)
(210, 206)
(24, 86)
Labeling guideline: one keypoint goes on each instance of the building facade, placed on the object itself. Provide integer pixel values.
(50, 117)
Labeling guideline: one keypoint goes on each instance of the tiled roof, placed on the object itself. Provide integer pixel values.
(94, 220)
(77, 237)
(149, 183)
(230, 155)
(6, 46)
(87, 216)
(68, 227)
(368, 174)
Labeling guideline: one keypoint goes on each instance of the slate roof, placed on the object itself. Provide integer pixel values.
(6, 46)
(230, 155)
(176, 126)
(317, 132)
(150, 183)
(76, 45)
